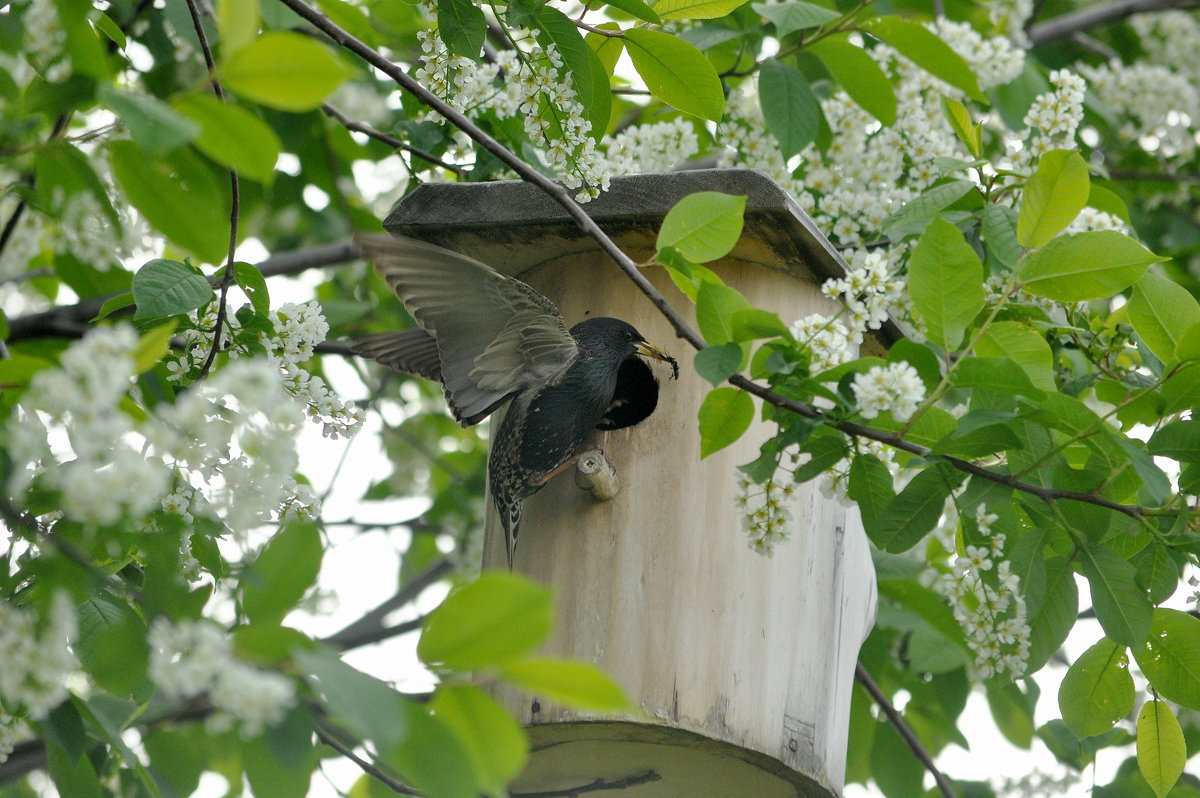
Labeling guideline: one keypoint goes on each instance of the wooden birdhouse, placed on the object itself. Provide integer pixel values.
(740, 665)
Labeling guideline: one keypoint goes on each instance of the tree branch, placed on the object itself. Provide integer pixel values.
(71, 321)
(864, 678)
(367, 628)
(1064, 26)
(395, 785)
(559, 194)
(391, 141)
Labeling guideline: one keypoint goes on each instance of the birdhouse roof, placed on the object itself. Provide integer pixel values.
(515, 226)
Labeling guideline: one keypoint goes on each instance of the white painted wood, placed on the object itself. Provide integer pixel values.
(741, 667)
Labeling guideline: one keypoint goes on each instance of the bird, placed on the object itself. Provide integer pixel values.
(492, 340)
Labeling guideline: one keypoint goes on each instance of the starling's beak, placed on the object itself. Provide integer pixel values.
(646, 350)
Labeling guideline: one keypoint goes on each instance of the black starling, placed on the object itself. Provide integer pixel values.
(490, 339)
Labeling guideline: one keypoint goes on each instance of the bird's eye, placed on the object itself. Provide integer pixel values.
(628, 335)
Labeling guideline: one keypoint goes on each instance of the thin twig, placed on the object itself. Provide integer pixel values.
(599, 785)
(235, 200)
(864, 678)
(361, 631)
(325, 736)
(1062, 26)
(391, 141)
(563, 197)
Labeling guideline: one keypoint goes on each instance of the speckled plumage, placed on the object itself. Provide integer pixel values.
(491, 339)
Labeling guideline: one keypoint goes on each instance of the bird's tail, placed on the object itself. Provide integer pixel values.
(510, 519)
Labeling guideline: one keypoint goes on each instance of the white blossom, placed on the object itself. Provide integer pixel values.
(895, 388)
(36, 663)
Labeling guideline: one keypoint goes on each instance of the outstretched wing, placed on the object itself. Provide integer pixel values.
(495, 336)
(414, 351)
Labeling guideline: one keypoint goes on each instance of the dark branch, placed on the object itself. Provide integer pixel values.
(1064, 26)
(370, 625)
(599, 785)
(392, 783)
(864, 678)
(71, 321)
(631, 270)
(389, 140)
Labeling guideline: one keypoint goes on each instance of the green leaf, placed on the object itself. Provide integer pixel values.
(106, 25)
(703, 226)
(112, 735)
(915, 510)
(870, 485)
(1000, 235)
(1188, 347)
(607, 48)
(1024, 346)
(635, 8)
(280, 762)
(1085, 266)
(718, 363)
(1012, 710)
(1179, 440)
(587, 72)
(282, 572)
(177, 194)
(789, 106)
(496, 618)
(496, 744)
(112, 644)
(945, 282)
(676, 73)
(916, 214)
(176, 757)
(1121, 606)
(76, 778)
(998, 374)
(238, 22)
(111, 306)
(856, 72)
(715, 305)
(695, 9)
(1170, 657)
(789, 17)
(1097, 690)
(725, 414)
(927, 51)
(579, 685)
(970, 134)
(1161, 749)
(154, 126)
(825, 451)
(432, 758)
(232, 136)
(152, 346)
(1054, 195)
(749, 324)
(1054, 617)
(168, 288)
(252, 282)
(287, 71)
(1156, 572)
(363, 705)
(1102, 199)
(1160, 310)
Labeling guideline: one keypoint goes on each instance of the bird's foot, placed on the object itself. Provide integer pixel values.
(594, 472)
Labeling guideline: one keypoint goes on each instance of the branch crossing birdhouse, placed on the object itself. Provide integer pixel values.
(740, 665)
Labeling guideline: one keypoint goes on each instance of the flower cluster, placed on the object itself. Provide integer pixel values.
(531, 82)
(233, 434)
(895, 388)
(36, 662)
(191, 658)
(650, 148)
(870, 291)
(45, 40)
(102, 472)
(1010, 17)
(1053, 118)
(995, 60)
(764, 508)
(986, 598)
(827, 340)
(1156, 105)
(296, 330)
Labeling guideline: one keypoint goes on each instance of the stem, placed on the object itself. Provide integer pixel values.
(864, 678)
(235, 200)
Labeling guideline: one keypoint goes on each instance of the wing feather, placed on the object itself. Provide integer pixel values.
(495, 336)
